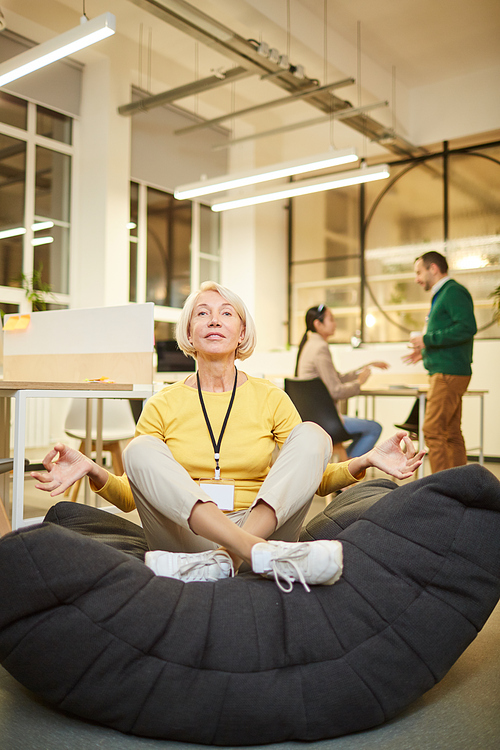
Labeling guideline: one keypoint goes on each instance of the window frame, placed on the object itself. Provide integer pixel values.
(362, 280)
(17, 295)
(163, 313)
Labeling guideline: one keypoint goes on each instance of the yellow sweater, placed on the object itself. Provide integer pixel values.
(262, 416)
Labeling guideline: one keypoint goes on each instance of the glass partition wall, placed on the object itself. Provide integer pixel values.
(354, 248)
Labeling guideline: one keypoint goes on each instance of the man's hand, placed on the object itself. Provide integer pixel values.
(417, 341)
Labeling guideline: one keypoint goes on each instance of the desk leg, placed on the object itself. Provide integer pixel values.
(5, 450)
(18, 468)
(481, 431)
(88, 445)
(98, 440)
(421, 441)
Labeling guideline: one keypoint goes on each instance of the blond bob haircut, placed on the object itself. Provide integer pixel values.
(182, 330)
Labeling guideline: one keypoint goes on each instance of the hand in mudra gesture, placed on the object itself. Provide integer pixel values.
(397, 461)
(64, 467)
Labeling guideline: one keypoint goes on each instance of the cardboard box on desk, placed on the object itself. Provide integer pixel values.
(71, 346)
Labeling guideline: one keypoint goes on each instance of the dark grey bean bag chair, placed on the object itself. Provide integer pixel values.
(91, 630)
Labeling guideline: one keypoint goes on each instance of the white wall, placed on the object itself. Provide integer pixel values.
(459, 107)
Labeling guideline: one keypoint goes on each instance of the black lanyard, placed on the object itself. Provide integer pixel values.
(218, 443)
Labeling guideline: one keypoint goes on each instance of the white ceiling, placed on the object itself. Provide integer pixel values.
(422, 42)
(426, 40)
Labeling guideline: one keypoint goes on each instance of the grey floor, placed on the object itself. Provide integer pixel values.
(462, 712)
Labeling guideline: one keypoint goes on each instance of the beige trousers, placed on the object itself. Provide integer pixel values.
(165, 494)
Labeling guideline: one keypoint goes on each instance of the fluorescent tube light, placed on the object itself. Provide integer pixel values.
(314, 185)
(60, 46)
(42, 241)
(42, 225)
(273, 172)
(6, 233)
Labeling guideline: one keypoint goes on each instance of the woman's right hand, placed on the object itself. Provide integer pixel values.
(364, 375)
(65, 466)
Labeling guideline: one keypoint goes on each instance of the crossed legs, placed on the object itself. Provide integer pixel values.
(178, 516)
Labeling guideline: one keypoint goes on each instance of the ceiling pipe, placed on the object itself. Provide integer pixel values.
(181, 92)
(267, 105)
(339, 115)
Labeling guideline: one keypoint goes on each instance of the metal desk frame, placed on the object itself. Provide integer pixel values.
(421, 394)
(20, 393)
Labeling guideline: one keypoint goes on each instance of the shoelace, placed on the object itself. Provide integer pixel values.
(289, 557)
(191, 566)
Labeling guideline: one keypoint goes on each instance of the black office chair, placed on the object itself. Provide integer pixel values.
(314, 404)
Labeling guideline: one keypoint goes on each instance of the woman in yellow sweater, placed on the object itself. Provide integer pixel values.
(199, 469)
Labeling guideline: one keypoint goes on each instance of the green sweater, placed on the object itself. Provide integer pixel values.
(450, 331)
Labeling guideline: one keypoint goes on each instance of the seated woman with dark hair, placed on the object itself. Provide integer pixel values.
(314, 360)
(199, 469)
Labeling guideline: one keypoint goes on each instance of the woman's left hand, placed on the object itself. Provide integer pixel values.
(380, 365)
(390, 457)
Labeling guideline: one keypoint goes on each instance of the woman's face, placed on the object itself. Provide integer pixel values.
(215, 329)
(327, 326)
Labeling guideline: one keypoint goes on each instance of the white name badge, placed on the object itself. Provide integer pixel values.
(221, 491)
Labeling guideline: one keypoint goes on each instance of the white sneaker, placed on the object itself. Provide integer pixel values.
(211, 565)
(316, 563)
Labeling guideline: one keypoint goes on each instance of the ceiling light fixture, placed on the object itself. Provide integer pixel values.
(273, 172)
(60, 46)
(16, 232)
(314, 185)
(42, 225)
(41, 241)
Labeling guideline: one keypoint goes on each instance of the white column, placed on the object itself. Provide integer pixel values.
(100, 257)
(254, 257)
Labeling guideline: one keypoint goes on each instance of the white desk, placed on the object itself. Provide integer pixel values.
(420, 392)
(20, 392)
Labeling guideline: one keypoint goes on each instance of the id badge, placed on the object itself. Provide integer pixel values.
(221, 491)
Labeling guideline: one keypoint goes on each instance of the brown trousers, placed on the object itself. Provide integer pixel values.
(442, 424)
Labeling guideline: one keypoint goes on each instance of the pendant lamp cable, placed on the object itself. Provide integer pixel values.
(325, 74)
(288, 29)
(394, 100)
(150, 45)
(139, 64)
(233, 108)
(196, 73)
(358, 76)
(325, 39)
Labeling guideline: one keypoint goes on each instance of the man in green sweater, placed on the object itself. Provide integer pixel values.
(445, 346)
